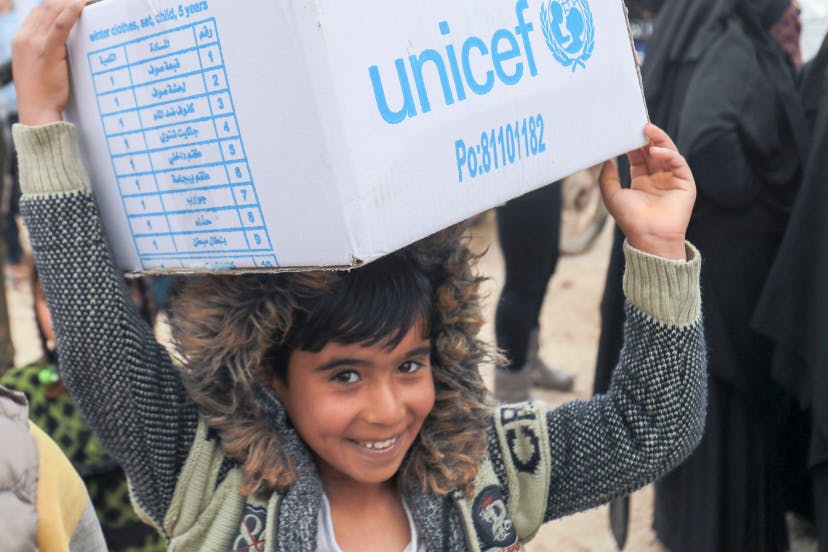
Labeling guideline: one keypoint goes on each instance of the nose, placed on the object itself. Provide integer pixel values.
(384, 404)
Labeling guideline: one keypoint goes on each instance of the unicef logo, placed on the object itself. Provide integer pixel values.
(569, 31)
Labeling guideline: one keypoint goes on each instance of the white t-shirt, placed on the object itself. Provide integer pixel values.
(326, 540)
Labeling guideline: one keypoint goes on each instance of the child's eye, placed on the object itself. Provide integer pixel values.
(348, 376)
(410, 367)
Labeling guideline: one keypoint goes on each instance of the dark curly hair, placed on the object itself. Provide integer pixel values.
(236, 332)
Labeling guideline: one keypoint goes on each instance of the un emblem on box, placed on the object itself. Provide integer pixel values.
(569, 31)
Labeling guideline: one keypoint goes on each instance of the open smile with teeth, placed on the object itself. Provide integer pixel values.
(379, 445)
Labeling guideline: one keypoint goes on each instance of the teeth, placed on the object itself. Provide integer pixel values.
(379, 445)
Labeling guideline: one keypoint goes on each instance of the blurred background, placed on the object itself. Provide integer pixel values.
(568, 324)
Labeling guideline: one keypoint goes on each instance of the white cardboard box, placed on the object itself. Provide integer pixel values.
(225, 134)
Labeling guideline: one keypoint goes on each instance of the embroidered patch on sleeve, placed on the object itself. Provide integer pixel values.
(521, 439)
(251, 532)
(524, 440)
(524, 447)
(518, 413)
(494, 527)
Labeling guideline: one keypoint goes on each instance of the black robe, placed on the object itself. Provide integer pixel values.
(718, 83)
(793, 309)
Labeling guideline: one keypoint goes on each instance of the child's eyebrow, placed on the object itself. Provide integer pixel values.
(340, 362)
(424, 350)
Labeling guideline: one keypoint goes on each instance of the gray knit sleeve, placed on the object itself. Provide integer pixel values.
(651, 418)
(121, 378)
(653, 415)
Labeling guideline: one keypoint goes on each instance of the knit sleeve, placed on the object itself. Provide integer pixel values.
(652, 417)
(122, 379)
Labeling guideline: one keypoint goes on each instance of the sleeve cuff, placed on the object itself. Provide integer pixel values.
(49, 159)
(664, 289)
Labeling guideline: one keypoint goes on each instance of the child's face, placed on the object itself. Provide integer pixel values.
(360, 408)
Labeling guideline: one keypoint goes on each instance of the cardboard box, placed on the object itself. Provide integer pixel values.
(288, 134)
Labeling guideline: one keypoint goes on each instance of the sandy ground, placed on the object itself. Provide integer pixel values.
(569, 336)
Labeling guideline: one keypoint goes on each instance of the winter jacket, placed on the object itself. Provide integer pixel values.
(43, 502)
(52, 409)
(542, 464)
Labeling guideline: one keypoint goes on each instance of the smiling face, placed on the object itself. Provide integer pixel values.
(359, 408)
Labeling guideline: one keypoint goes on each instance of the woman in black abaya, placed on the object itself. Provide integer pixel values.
(724, 88)
(793, 310)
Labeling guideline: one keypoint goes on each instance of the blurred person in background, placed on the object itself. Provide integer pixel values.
(793, 310)
(53, 410)
(530, 264)
(719, 79)
(43, 503)
(10, 19)
(8, 24)
(641, 14)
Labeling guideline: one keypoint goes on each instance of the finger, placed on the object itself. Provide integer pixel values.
(43, 16)
(32, 31)
(32, 20)
(636, 157)
(672, 161)
(638, 163)
(608, 181)
(658, 137)
(62, 25)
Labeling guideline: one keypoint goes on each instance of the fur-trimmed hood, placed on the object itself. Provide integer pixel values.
(224, 326)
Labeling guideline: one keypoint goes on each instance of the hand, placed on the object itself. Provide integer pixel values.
(41, 74)
(655, 211)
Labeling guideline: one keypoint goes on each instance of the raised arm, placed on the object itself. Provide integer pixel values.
(121, 378)
(653, 415)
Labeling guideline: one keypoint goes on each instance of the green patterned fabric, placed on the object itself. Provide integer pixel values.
(53, 410)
